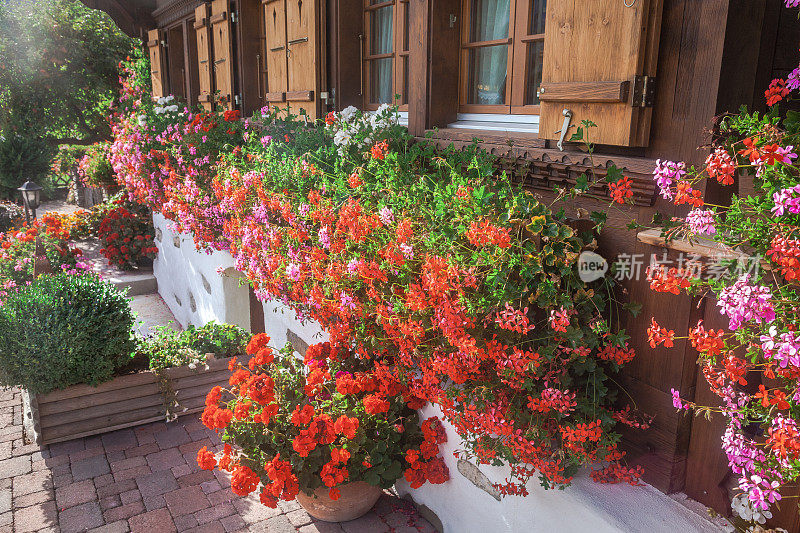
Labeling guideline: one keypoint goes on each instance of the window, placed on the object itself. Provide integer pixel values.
(501, 56)
(385, 47)
(175, 61)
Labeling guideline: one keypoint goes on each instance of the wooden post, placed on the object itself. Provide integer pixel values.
(418, 51)
(40, 263)
(256, 313)
(433, 35)
(345, 68)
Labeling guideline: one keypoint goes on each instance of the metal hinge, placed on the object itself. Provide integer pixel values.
(644, 91)
(237, 99)
(233, 17)
(329, 96)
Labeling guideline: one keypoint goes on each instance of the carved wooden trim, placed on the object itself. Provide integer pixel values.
(176, 10)
(528, 161)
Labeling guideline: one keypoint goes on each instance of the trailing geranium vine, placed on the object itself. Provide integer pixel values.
(455, 283)
(753, 365)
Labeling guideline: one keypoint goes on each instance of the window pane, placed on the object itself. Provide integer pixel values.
(489, 20)
(487, 75)
(381, 30)
(534, 70)
(381, 80)
(536, 24)
(405, 26)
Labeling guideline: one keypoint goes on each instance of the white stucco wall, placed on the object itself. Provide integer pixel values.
(461, 506)
(584, 507)
(200, 287)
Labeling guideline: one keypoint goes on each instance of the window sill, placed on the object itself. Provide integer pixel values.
(497, 123)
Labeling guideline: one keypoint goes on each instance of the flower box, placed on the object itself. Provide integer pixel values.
(125, 401)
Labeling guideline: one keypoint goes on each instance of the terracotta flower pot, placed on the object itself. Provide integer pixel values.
(356, 499)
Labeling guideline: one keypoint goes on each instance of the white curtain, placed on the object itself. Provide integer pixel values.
(489, 64)
(381, 43)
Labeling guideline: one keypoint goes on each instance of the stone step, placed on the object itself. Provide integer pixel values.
(151, 311)
(136, 283)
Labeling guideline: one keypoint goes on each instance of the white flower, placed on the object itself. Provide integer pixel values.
(342, 138)
(348, 113)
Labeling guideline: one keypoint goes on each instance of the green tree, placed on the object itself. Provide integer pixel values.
(58, 80)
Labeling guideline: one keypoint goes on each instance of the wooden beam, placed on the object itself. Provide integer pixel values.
(598, 91)
(300, 96)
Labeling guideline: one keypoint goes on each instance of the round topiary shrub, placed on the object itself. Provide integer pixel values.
(62, 330)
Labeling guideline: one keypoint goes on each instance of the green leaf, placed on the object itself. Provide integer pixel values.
(613, 174)
(582, 182)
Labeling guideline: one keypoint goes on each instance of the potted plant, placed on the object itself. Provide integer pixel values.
(331, 430)
(67, 340)
(95, 170)
(126, 233)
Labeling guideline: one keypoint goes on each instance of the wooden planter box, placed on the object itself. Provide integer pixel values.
(125, 401)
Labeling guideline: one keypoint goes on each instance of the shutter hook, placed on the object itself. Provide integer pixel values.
(633, 3)
(564, 128)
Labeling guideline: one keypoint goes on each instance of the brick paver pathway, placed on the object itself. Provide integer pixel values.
(146, 479)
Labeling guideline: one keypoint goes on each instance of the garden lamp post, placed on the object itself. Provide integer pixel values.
(31, 198)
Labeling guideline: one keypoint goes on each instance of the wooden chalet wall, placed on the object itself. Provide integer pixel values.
(700, 74)
(708, 57)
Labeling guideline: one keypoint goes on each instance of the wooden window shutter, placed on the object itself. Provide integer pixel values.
(204, 58)
(156, 52)
(305, 67)
(600, 63)
(275, 51)
(223, 52)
